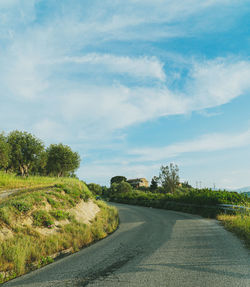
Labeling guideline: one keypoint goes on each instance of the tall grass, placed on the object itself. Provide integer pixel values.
(12, 181)
(28, 249)
(238, 224)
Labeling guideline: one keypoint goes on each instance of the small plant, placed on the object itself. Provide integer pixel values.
(52, 202)
(4, 215)
(59, 214)
(45, 260)
(21, 205)
(42, 218)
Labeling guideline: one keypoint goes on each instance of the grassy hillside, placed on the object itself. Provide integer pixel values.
(36, 225)
(11, 181)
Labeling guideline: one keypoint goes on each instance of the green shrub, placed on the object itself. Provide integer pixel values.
(42, 218)
(45, 260)
(52, 202)
(21, 205)
(59, 214)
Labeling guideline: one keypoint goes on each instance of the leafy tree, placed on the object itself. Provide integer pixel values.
(105, 191)
(169, 177)
(25, 150)
(4, 152)
(62, 161)
(154, 183)
(41, 164)
(117, 179)
(121, 187)
(95, 188)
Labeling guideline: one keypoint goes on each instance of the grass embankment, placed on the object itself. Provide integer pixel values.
(203, 202)
(238, 224)
(35, 225)
(11, 181)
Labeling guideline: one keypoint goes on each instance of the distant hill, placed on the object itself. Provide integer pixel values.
(243, 189)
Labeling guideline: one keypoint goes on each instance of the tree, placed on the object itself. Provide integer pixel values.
(95, 188)
(41, 164)
(25, 149)
(4, 152)
(61, 161)
(169, 177)
(154, 183)
(117, 179)
(121, 187)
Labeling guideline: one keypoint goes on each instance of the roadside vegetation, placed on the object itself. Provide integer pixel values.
(35, 226)
(167, 192)
(48, 210)
(239, 224)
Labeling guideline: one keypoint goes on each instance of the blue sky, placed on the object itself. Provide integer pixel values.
(132, 85)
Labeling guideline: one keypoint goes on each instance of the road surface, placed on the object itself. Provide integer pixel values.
(152, 247)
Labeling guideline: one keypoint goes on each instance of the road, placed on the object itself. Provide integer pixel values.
(152, 247)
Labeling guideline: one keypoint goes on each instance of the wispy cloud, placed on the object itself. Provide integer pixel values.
(75, 73)
(112, 105)
(218, 81)
(142, 67)
(205, 143)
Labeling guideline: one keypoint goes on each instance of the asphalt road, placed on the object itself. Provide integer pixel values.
(152, 247)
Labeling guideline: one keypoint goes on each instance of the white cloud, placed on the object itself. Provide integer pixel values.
(206, 143)
(103, 110)
(160, 11)
(100, 109)
(129, 22)
(218, 81)
(142, 67)
(115, 107)
(50, 130)
(15, 13)
(24, 78)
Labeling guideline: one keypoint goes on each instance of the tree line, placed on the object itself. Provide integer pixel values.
(25, 154)
(165, 191)
(166, 182)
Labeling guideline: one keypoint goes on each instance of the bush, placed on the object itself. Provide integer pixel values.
(59, 214)
(95, 188)
(21, 205)
(186, 199)
(122, 187)
(42, 218)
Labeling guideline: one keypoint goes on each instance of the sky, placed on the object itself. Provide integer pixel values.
(132, 85)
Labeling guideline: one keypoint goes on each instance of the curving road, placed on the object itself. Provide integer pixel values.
(152, 247)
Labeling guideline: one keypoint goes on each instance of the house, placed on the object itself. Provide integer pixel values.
(138, 182)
